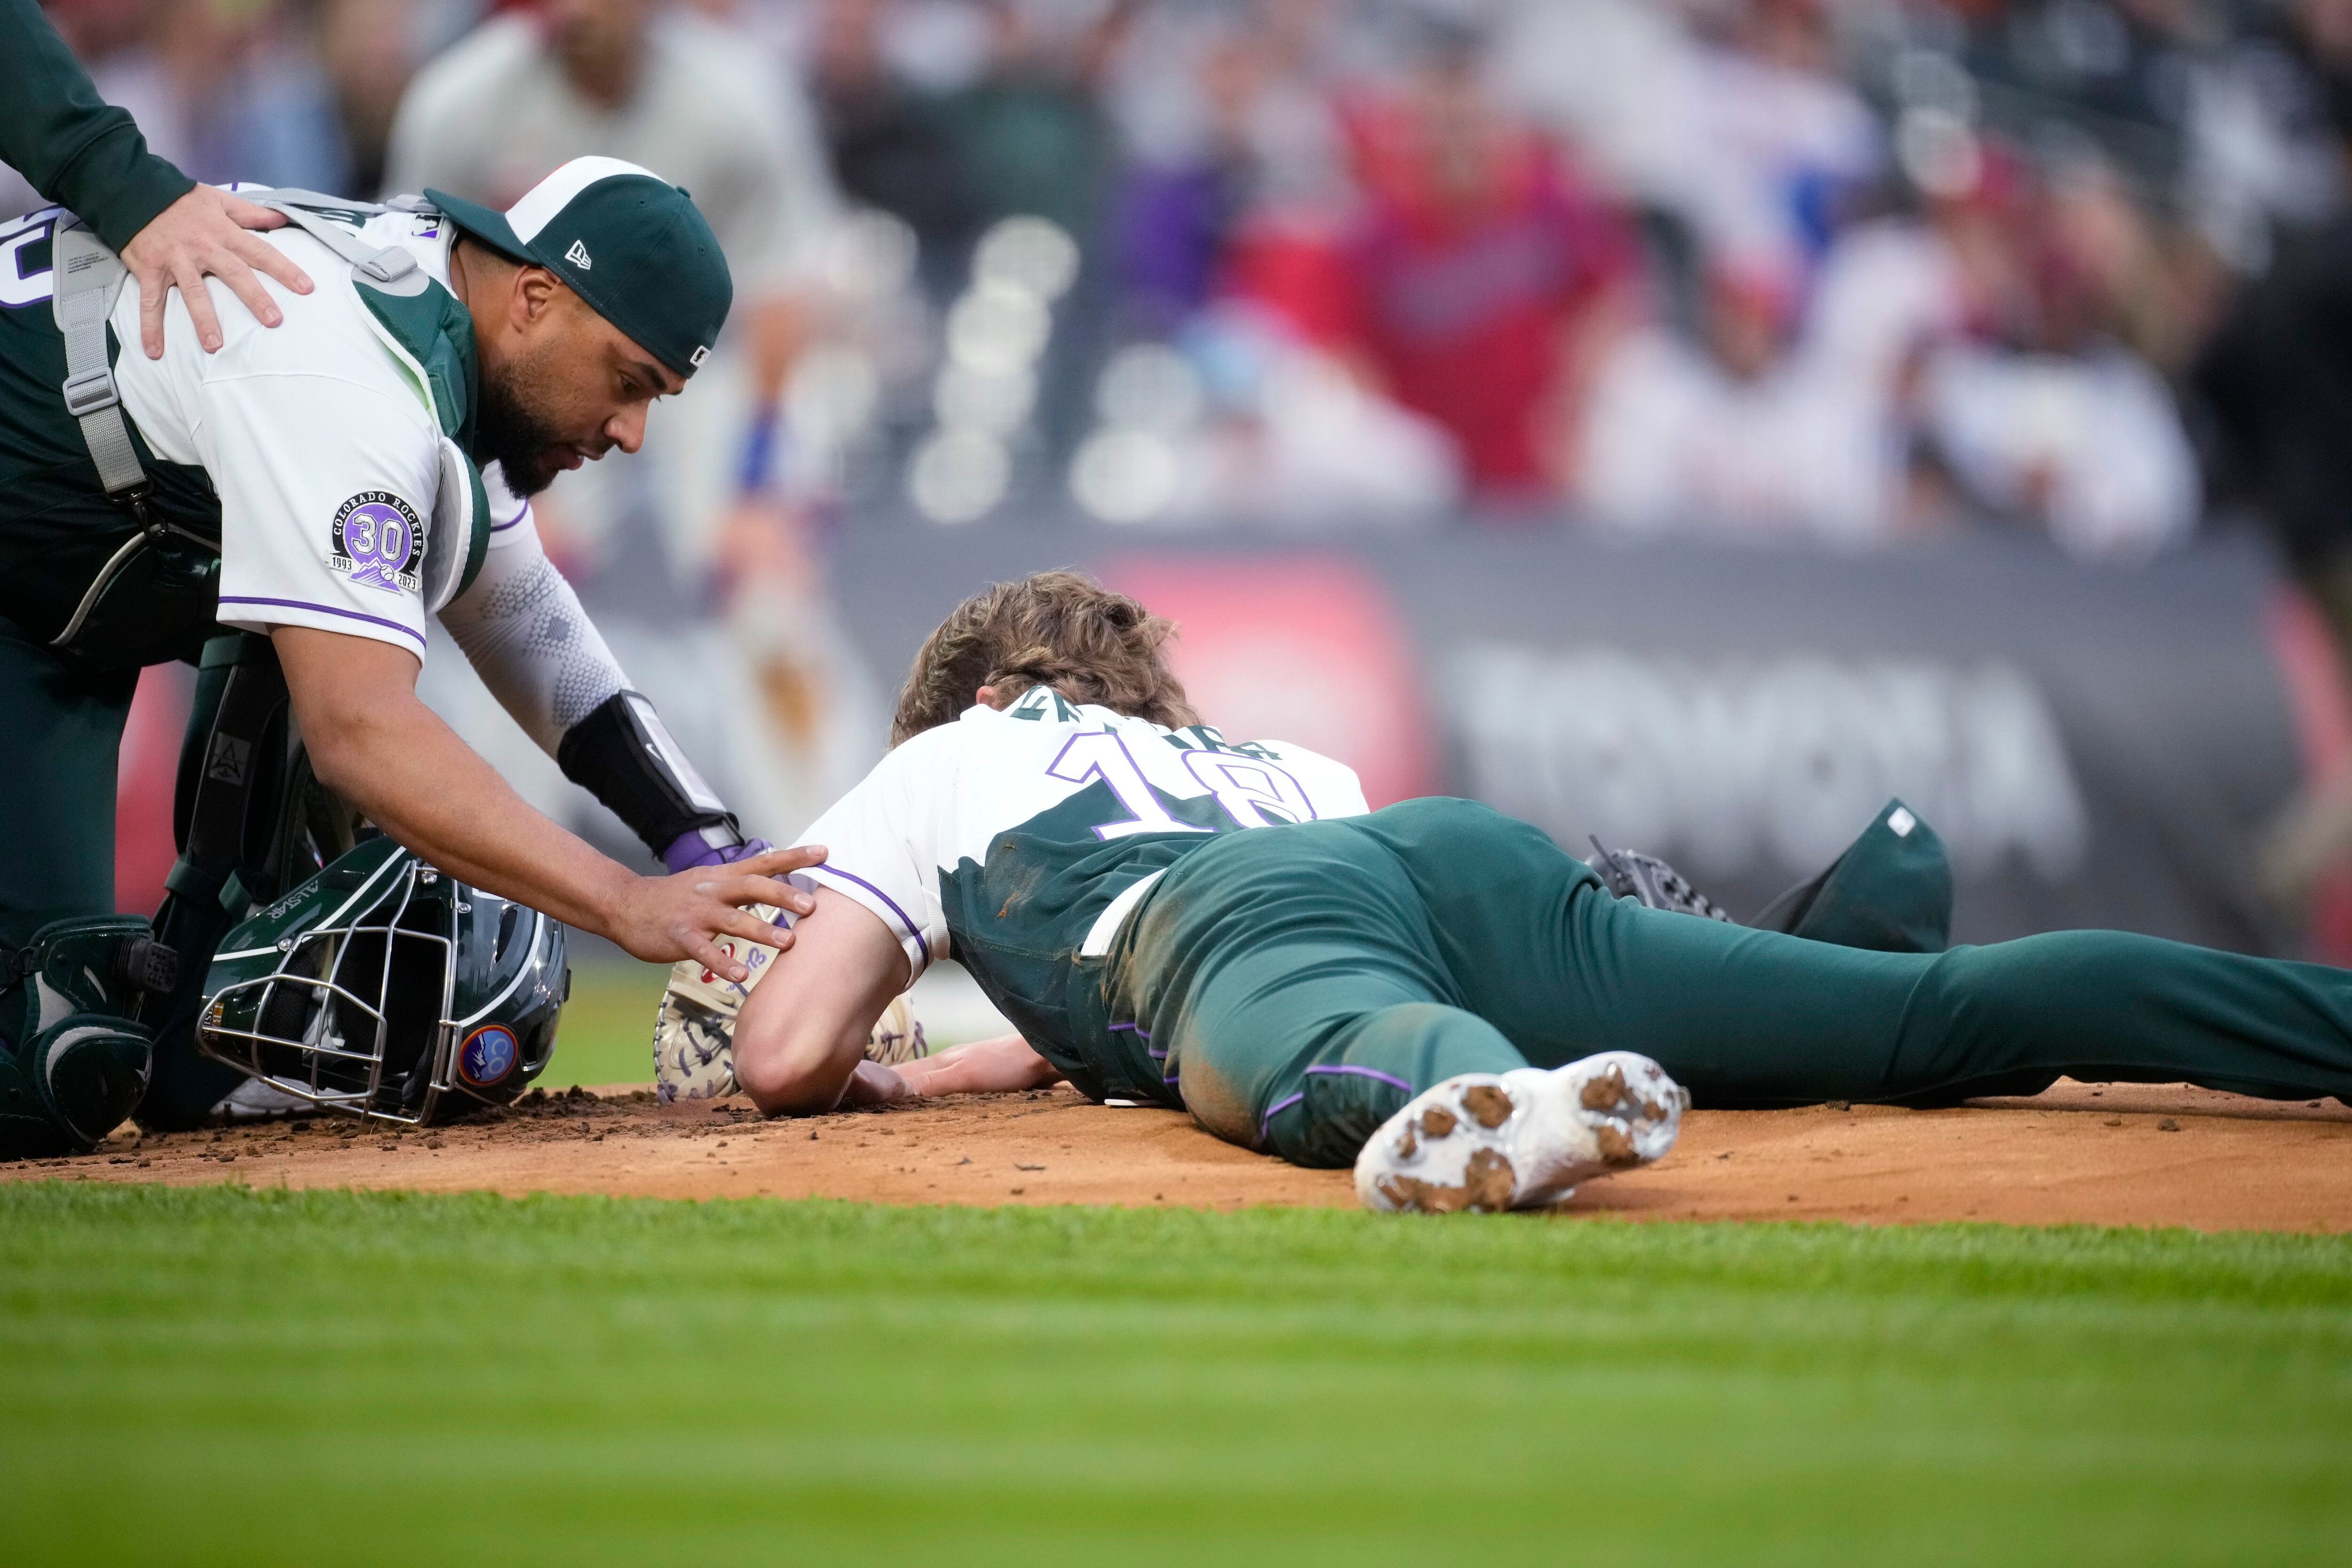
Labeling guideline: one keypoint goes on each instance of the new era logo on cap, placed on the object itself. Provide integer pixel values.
(578, 256)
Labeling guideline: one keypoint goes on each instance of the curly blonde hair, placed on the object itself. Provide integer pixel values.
(1061, 629)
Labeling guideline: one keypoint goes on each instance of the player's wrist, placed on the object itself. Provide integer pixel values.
(617, 899)
(716, 844)
(755, 467)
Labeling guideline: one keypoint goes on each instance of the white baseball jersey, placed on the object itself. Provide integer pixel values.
(1034, 831)
(320, 438)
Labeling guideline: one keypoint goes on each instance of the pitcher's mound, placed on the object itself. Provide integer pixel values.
(2118, 1154)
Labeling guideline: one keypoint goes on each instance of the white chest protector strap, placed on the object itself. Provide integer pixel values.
(388, 267)
(89, 278)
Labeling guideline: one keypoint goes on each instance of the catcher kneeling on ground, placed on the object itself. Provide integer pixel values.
(1174, 918)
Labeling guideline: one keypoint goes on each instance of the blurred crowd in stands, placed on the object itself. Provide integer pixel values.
(1846, 272)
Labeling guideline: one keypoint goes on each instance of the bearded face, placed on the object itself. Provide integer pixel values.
(560, 385)
(521, 423)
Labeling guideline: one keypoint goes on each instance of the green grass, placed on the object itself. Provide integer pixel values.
(223, 1376)
(607, 1035)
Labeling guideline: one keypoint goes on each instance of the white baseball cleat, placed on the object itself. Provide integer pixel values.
(1523, 1139)
(254, 1101)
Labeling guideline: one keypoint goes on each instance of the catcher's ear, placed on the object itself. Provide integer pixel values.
(989, 697)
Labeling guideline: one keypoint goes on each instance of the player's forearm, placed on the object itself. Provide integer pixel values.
(804, 1070)
(779, 327)
(411, 775)
(375, 743)
(800, 1040)
(984, 1067)
(804, 1060)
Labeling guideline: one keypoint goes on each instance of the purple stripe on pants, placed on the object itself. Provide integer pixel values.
(1390, 1079)
(1265, 1123)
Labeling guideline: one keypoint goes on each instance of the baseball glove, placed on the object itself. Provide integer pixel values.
(1629, 874)
(694, 1032)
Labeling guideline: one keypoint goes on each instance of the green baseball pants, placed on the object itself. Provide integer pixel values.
(56, 827)
(57, 790)
(1301, 983)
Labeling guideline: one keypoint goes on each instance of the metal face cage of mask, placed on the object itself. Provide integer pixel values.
(385, 988)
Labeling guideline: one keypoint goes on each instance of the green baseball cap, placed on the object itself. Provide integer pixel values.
(627, 241)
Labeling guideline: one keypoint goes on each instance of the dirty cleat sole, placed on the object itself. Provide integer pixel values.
(1524, 1139)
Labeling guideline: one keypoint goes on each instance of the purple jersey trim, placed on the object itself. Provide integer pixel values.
(520, 513)
(325, 610)
(1265, 1123)
(912, 929)
(1390, 1079)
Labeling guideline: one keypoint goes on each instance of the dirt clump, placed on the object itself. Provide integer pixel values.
(1604, 1092)
(1487, 1183)
(1489, 1107)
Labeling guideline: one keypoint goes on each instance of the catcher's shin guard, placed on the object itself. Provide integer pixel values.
(240, 822)
(73, 1057)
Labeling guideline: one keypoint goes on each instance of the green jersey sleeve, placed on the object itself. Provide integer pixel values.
(70, 145)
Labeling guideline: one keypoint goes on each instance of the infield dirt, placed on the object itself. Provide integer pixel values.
(2117, 1154)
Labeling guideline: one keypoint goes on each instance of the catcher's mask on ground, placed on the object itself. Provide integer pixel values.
(383, 988)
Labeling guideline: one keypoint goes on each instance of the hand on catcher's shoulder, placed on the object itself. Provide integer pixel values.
(690, 914)
(207, 231)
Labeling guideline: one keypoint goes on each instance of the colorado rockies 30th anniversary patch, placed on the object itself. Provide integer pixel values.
(377, 541)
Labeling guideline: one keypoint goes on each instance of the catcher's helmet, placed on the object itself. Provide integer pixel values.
(384, 987)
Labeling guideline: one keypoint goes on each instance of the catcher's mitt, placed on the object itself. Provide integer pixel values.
(694, 1032)
(1629, 874)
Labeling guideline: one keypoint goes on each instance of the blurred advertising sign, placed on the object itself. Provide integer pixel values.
(1731, 768)
(1305, 649)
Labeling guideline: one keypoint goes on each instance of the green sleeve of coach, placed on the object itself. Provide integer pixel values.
(71, 145)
